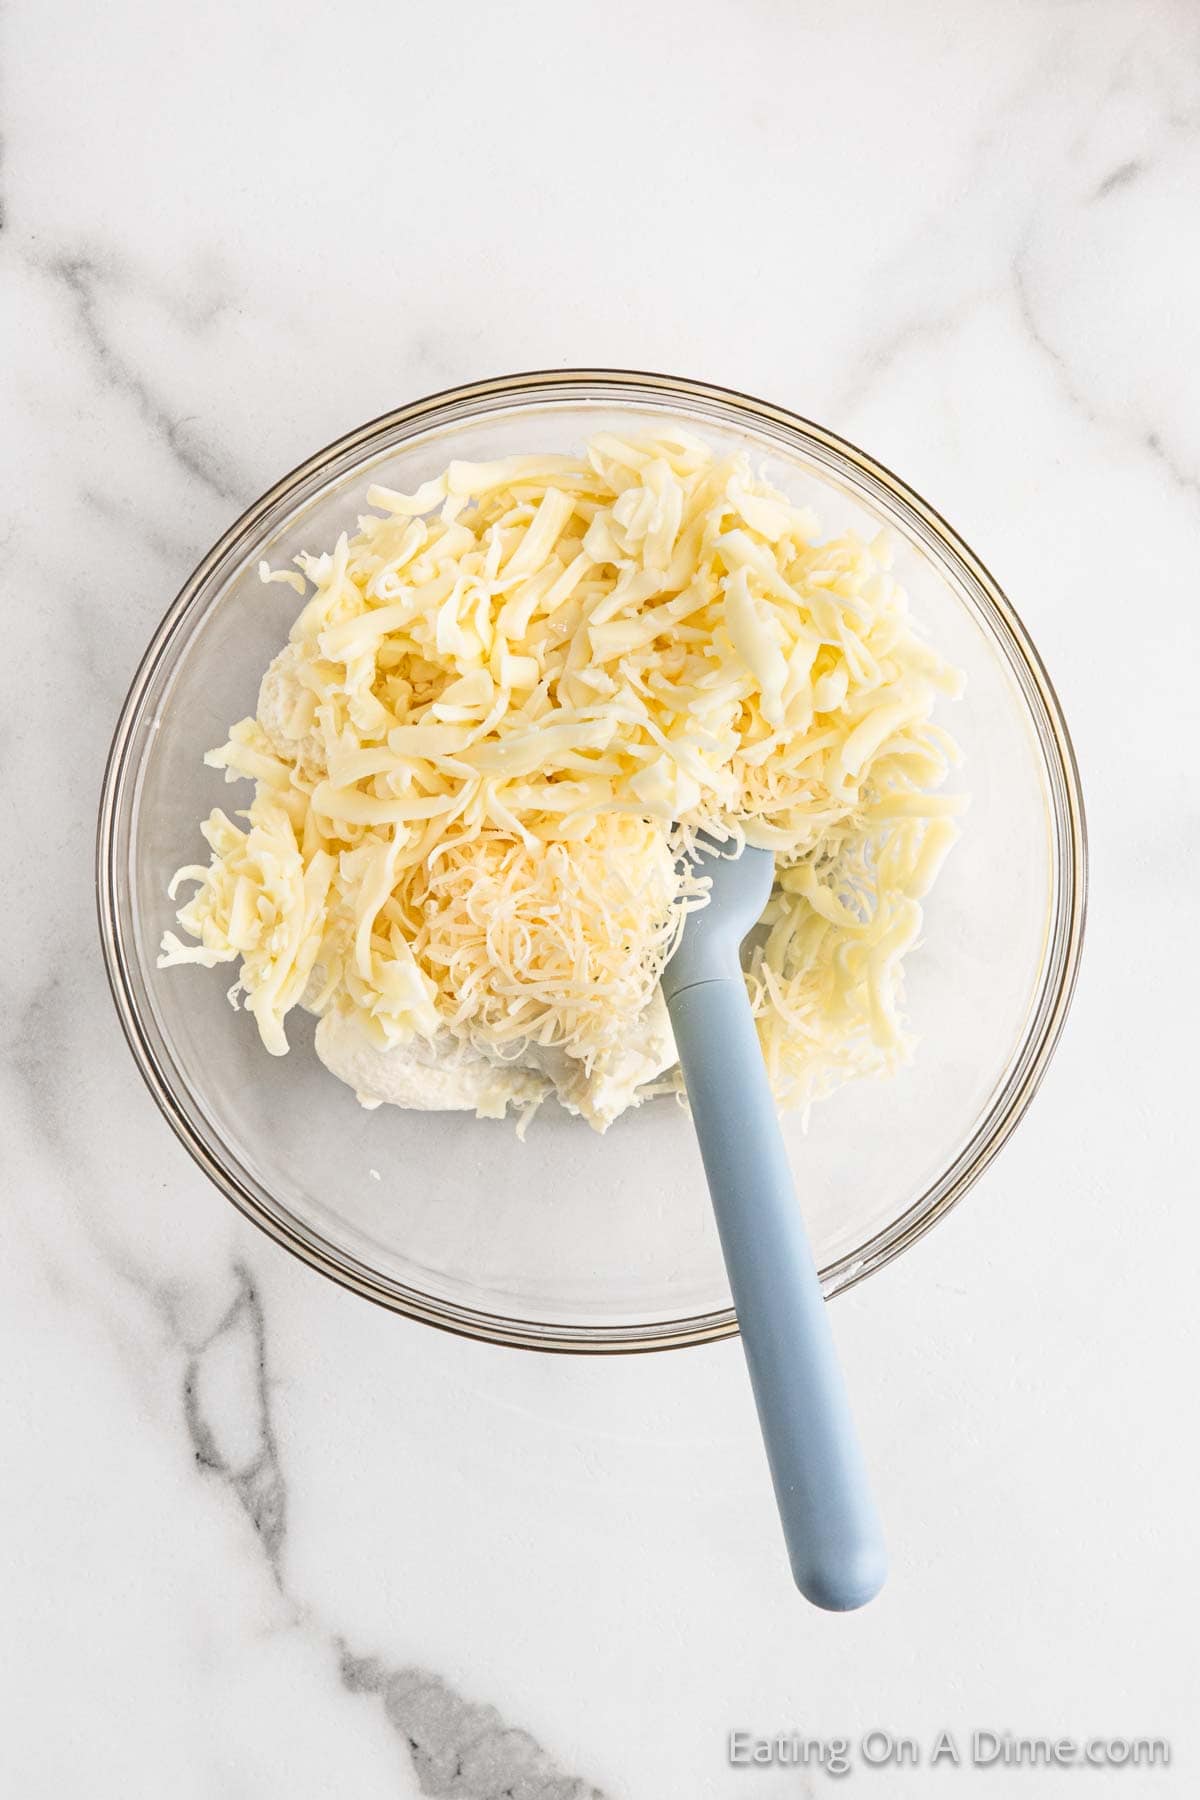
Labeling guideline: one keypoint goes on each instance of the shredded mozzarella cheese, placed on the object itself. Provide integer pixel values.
(510, 703)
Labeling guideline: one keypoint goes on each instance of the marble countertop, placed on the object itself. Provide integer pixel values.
(258, 1538)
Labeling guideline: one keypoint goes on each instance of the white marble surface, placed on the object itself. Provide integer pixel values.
(258, 1538)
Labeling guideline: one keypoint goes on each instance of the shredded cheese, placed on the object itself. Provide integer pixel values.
(509, 704)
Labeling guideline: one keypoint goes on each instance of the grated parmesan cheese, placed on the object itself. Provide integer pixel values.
(507, 707)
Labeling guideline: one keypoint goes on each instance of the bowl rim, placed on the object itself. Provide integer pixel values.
(1069, 859)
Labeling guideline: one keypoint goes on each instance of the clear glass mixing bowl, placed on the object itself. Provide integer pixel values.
(569, 1241)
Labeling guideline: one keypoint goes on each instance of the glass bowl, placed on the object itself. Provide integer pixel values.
(569, 1241)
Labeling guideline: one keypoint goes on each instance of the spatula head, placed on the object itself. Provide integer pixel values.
(712, 937)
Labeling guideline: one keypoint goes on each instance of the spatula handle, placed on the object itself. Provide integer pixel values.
(832, 1530)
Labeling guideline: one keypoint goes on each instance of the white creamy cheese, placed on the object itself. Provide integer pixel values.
(444, 1075)
(424, 1075)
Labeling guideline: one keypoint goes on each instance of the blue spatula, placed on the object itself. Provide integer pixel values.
(829, 1519)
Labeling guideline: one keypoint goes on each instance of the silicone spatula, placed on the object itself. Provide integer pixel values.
(830, 1524)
